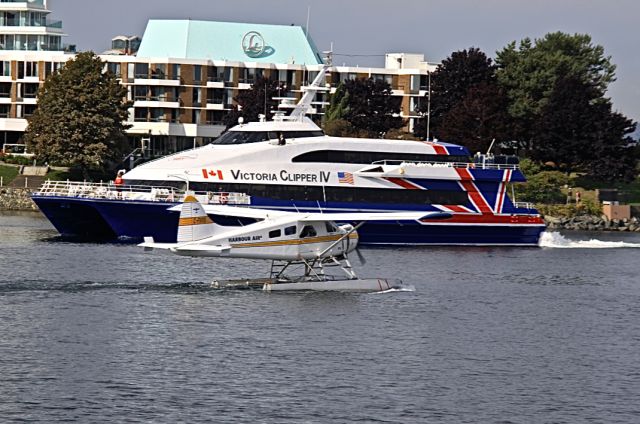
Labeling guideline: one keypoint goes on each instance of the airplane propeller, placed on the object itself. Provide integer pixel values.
(361, 257)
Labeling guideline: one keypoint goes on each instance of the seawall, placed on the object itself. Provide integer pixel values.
(16, 199)
(592, 223)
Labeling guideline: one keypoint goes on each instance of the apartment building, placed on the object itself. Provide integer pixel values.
(185, 75)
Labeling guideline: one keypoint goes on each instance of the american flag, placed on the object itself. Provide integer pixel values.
(345, 178)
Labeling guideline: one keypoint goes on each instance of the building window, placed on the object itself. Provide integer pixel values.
(4, 111)
(215, 95)
(141, 70)
(28, 110)
(115, 69)
(27, 69)
(159, 72)
(140, 92)
(197, 96)
(157, 115)
(29, 91)
(5, 68)
(5, 89)
(215, 117)
(215, 74)
(140, 114)
(249, 75)
(175, 71)
(195, 116)
(197, 73)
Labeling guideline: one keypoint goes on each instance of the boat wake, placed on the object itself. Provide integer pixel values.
(558, 241)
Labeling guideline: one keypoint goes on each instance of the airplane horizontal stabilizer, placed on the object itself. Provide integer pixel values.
(150, 244)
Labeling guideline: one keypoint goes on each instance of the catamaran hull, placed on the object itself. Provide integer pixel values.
(109, 219)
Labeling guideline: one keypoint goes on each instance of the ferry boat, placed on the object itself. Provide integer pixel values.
(290, 164)
(294, 166)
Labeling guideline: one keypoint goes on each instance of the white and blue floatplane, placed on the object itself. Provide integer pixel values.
(311, 242)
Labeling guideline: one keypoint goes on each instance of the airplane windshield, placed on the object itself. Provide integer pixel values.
(244, 137)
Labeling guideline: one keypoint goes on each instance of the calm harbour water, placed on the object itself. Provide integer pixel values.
(110, 333)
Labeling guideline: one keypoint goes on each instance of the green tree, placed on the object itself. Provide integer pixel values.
(370, 107)
(338, 106)
(478, 118)
(80, 120)
(450, 84)
(529, 73)
(258, 100)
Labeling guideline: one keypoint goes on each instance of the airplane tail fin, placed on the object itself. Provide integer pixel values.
(194, 223)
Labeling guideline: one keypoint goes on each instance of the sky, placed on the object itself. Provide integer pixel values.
(371, 28)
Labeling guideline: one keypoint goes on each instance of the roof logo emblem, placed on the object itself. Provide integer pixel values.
(253, 44)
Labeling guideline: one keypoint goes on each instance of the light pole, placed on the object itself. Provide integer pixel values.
(429, 105)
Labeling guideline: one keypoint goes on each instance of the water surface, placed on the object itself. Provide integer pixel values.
(111, 333)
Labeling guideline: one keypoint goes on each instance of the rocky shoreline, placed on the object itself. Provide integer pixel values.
(592, 223)
(16, 199)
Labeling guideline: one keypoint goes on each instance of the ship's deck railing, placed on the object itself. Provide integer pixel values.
(79, 189)
(523, 205)
(467, 165)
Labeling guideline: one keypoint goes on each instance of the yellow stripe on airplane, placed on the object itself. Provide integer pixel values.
(309, 240)
(196, 220)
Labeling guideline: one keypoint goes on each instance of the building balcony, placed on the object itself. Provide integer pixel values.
(145, 80)
(156, 103)
(22, 5)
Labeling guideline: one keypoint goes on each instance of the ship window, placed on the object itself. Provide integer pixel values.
(244, 137)
(289, 231)
(308, 231)
(366, 157)
(241, 137)
(275, 233)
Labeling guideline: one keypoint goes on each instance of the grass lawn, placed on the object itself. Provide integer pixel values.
(631, 190)
(8, 173)
(55, 175)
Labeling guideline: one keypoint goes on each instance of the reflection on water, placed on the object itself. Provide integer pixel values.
(111, 333)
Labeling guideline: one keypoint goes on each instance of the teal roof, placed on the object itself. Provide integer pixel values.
(187, 39)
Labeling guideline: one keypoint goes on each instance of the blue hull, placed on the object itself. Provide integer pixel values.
(104, 219)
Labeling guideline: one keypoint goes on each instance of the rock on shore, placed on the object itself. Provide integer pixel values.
(16, 199)
(592, 223)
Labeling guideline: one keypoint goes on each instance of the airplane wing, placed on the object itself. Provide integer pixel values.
(374, 216)
(240, 212)
(243, 212)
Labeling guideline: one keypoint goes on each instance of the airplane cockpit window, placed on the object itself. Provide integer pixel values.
(308, 231)
(331, 227)
(275, 233)
(289, 231)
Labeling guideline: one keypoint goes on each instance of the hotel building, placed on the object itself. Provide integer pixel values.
(185, 74)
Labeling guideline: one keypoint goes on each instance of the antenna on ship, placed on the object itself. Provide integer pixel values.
(300, 110)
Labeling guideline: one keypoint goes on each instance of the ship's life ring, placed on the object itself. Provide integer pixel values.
(223, 199)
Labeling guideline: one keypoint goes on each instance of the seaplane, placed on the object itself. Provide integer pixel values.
(311, 243)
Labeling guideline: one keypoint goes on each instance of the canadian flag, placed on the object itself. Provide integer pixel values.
(213, 173)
